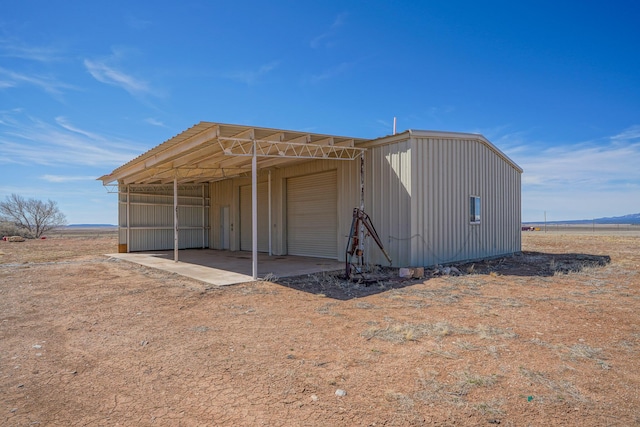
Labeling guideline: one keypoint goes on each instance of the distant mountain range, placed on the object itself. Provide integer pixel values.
(625, 219)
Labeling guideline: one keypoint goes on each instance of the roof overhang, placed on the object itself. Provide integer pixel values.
(213, 151)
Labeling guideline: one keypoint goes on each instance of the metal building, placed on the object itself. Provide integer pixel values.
(434, 197)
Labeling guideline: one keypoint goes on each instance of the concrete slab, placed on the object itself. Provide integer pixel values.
(227, 268)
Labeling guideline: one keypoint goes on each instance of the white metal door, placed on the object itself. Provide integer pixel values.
(312, 215)
(263, 218)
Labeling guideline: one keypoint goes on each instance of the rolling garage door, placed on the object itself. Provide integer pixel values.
(263, 218)
(312, 215)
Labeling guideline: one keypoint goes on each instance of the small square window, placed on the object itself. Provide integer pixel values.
(474, 209)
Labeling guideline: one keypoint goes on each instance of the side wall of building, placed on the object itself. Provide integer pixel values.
(418, 191)
(446, 173)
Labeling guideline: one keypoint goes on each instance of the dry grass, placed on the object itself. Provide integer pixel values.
(520, 346)
(403, 332)
(562, 389)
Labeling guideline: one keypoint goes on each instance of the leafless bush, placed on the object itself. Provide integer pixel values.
(33, 215)
(10, 229)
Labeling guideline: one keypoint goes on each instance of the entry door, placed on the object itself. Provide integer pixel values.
(312, 215)
(224, 227)
(263, 218)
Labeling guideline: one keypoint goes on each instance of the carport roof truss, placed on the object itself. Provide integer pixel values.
(213, 151)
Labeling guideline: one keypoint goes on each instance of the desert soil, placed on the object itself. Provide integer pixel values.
(550, 337)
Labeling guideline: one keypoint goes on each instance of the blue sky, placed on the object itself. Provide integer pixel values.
(87, 86)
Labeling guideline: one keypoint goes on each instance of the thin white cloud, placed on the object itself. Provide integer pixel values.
(630, 134)
(13, 78)
(105, 73)
(155, 122)
(63, 179)
(137, 23)
(10, 79)
(326, 39)
(64, 123)
(578, 181)
(251, 77)
(582, 164)
(331, 72)
(385, 123)
(27, 141)
(13, 48)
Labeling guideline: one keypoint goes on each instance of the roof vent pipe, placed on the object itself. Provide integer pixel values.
(394, 125)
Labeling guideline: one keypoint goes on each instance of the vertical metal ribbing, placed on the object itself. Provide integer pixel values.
(203, 216)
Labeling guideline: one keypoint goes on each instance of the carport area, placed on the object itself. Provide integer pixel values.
(199, 189)
(220, 268)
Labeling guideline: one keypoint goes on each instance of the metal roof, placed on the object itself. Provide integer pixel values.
(413, 133)
(209, 151)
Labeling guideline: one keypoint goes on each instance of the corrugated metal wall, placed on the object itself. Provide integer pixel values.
(388, 200)
(222, 196)
(225, 193)
(447, 172)
(417, 195)
(150, 215)
(246, 224)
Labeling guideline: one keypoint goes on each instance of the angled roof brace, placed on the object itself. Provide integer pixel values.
(284, 149)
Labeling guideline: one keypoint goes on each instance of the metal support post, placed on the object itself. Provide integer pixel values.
(360, 231)
(270, 225)
(175, 218)
(128, 219)
(254, 211)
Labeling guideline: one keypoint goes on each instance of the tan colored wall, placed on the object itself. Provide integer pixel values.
(227, 193)
(418, 193)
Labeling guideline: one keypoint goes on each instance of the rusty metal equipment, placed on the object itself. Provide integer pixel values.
(354, 262)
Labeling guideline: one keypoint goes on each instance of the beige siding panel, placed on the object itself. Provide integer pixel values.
(447, 173)
(122, 215)
(221, 195)
(227, 193)
(348, 199)
(388, 201)
(246, 224)
(151, 217)
(312, 206)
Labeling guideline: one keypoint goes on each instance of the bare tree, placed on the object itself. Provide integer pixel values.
(35, 216)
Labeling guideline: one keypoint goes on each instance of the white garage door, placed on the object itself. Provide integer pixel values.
(263, 218)
(312, 215)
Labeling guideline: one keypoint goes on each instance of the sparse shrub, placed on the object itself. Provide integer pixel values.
(467, 379)
(10, 229)
(270, 277)
(583, 351)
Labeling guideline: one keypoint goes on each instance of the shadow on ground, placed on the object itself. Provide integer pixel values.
(333, 284)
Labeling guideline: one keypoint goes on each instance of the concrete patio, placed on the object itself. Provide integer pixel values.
(227, 268)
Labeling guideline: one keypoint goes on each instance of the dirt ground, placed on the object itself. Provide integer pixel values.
(549, 337)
